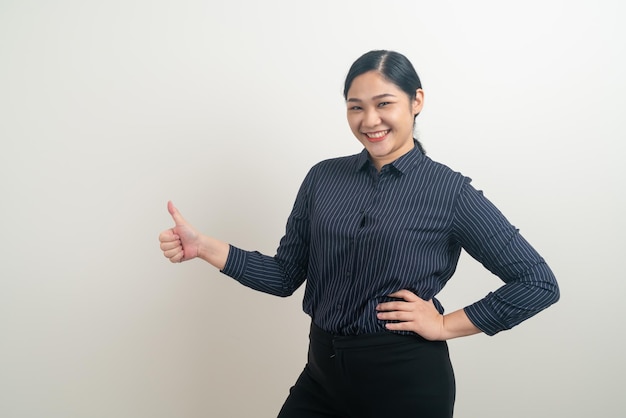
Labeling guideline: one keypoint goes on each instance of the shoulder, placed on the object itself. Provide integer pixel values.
(348, 161)
(440, 176)
(336, 166)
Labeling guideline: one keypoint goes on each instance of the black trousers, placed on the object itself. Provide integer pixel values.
(373, 376)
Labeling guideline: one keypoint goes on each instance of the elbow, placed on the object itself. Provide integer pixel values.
(555, 291)
(547, 287)
(549, 293)
(555, 294)
(285, 292)
(293, 277)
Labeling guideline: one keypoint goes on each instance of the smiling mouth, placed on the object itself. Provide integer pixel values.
(376, 136)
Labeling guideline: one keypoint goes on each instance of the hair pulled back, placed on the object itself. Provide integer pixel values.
(393, 66)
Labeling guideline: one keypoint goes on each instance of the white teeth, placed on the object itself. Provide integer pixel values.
(376, 134)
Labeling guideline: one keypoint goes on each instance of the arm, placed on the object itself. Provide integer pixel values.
(530, 285)
(487, 236)
(280, 275)
(252, 269)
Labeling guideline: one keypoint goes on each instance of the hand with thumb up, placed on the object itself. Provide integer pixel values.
(183, 242)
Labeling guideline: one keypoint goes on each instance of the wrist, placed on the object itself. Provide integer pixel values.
(213, 251)
(457, 324)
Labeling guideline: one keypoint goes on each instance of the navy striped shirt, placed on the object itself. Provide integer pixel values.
(356, 235)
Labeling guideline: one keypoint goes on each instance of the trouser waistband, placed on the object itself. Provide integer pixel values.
(320, 336)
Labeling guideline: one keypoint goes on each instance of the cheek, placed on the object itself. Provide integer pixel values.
(353, 123)
(404, 121)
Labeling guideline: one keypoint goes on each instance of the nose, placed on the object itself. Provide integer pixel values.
(371, 118)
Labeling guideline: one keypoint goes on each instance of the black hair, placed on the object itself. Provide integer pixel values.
(394, 67)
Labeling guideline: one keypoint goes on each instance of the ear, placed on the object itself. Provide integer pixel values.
(418, 102)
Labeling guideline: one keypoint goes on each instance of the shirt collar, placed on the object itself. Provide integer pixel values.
(402, 165)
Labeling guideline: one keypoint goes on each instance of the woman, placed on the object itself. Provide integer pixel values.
(376, 236)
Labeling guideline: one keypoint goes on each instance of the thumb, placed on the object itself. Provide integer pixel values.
(178, 218)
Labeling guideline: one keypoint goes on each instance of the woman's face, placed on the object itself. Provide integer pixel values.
(381, 117)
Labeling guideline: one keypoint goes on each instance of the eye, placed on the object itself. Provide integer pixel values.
(383, 104)
(354, 108)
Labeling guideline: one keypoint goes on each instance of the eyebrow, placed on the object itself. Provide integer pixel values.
(380, 96)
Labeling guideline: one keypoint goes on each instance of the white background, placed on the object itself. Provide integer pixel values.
(108, 109)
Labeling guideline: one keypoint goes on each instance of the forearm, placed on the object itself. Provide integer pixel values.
(457, 324)
(516, 301)
(263, 273)
(213, 251)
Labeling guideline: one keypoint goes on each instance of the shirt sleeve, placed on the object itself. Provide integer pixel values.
(530, 285)
(284, 273)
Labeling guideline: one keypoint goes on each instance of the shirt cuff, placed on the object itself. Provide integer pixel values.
(484, 317)
(235, 262)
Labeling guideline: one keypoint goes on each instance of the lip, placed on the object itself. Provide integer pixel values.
(376, 139)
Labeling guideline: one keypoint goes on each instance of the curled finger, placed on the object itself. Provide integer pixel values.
(169, 245)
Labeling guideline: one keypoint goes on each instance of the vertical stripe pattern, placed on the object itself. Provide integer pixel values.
(356, 235)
